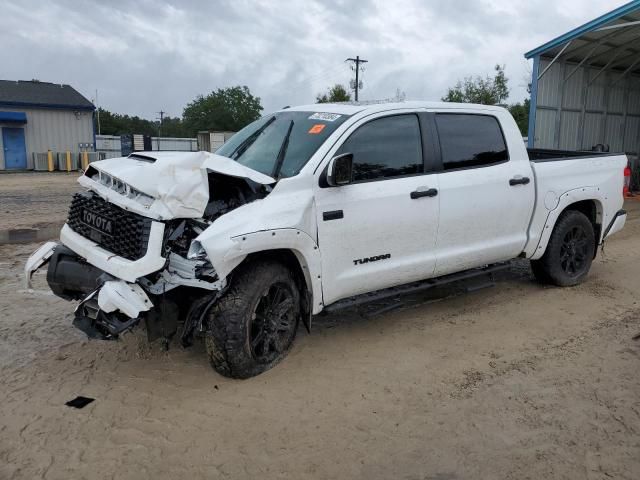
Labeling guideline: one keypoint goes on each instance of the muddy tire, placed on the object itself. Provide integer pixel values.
(569, 253)
(253, 325)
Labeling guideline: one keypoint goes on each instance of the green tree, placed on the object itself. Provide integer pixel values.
(227, 109)
(520, 112)
(117, 124)
(173, 127)
(486, 91)
(337, 93)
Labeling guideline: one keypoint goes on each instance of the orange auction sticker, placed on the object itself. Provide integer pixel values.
(317, 128)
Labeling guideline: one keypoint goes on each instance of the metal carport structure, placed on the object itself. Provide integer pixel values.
(585, 88)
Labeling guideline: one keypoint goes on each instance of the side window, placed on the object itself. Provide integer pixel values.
(385, 147)
(470, 140)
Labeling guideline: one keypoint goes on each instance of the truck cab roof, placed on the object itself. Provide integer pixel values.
(351, 108)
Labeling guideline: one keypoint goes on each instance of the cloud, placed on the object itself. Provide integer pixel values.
(146, 56)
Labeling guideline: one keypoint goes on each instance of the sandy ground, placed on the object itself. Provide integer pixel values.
(35, 199)
(518, 381)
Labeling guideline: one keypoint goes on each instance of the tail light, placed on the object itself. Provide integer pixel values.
(626, 192)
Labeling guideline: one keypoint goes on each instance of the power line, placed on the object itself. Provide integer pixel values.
(357, 61)
(319, 76)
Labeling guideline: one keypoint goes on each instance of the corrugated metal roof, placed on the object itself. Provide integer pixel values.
(42, 94)
(611, 40)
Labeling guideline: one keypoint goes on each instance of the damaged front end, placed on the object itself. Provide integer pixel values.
(126, 257)
(112, 309)
(110, 306)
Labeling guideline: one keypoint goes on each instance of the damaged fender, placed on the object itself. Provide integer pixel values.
(285, 221)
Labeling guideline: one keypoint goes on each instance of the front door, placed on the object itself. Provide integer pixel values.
(15, 155)
(373, 233)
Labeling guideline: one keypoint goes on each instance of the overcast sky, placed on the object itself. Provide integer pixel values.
(147, 56)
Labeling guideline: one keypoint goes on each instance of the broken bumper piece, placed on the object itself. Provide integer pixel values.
(38, 259)
(111, 310)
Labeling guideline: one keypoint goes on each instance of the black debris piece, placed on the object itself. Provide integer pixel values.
(79, 402)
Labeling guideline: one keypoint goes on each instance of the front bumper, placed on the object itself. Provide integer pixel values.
(129, 270)
(109, 305)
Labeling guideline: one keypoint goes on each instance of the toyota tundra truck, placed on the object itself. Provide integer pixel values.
(317, 207)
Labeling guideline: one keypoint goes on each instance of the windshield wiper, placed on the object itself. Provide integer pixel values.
(283, 151)
(240, 149)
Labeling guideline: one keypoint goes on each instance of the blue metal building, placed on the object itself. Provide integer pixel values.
(39, 116)
(585, 88)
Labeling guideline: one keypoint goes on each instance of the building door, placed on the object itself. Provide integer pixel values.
(15, 154)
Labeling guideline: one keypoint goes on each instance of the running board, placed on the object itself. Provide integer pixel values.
(420, 286)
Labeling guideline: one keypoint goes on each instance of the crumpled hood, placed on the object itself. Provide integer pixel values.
(177, 181)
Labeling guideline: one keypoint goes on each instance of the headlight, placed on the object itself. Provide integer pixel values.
(196, 251)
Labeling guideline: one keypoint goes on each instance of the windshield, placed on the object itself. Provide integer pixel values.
(279, 145)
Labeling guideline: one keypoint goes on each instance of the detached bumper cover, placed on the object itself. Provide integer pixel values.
(38, 259)
(128, 298)
(111, 310)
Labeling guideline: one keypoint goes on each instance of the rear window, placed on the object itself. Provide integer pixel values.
(470, 140)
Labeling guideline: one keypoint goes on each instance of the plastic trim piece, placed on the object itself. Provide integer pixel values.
(129, 298)
(38, 259)
(608, 230)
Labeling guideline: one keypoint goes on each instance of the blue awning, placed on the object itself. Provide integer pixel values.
(13, 117)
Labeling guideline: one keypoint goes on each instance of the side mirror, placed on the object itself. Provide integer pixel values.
(340, 170)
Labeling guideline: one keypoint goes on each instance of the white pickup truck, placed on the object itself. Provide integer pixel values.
(315, 207)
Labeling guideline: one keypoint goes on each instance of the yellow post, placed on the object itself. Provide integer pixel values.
(85, 160)
(50, 160)
(68, 161)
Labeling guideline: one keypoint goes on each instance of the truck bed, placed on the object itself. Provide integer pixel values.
(563, 178)
(549, 155)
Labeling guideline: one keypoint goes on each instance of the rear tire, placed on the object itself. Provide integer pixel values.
(569, 253)
(252, 327)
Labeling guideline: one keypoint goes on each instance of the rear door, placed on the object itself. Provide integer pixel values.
(375, 233)
(486, 196)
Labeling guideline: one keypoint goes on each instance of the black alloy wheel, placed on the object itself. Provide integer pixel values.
(570, 251)
(253, 325)
(574, 251)
(273, 324)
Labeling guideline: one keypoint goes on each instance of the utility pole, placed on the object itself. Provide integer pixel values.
(357, 61)
(161, 113)
(97, 111)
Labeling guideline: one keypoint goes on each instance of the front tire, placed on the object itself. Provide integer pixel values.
(252, 327)
(569, 253)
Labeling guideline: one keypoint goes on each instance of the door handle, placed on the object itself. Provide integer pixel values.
(332, 215)
(518, 180)
(430, 192)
